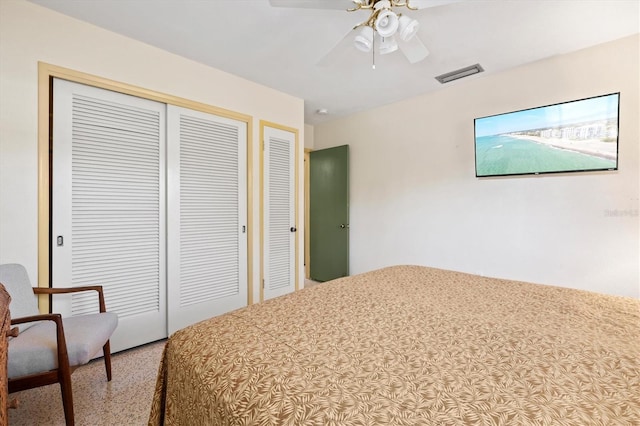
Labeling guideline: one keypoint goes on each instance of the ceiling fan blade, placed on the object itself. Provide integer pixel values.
(314, 4)
(343, 48)
(423, 4)
(414, 49)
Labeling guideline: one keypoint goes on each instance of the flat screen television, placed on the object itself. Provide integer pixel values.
(574, 136)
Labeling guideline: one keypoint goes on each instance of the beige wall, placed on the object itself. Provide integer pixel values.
(308, 136)
(30, 33)
(415, 198)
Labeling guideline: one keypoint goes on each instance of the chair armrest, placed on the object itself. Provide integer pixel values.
(57, 318)
(63, 356)
(66, 290)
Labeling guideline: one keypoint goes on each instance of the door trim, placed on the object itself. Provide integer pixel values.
(46, 73)
(307, 189)
(264, 124)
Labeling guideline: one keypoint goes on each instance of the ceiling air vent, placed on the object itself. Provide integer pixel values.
(462, 72)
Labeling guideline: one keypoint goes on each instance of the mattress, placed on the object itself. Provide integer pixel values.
(409, 345)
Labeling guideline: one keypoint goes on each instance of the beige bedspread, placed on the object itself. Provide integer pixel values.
(409, 345)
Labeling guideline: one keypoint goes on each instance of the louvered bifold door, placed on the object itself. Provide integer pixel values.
(207, 216)
(108, 203)
(279, 197)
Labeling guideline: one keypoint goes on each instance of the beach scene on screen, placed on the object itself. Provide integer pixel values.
(573, 136)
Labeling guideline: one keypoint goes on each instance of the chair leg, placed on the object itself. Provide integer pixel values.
(67, 398)
(106, 351)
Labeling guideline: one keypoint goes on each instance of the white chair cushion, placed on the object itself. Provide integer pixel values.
(34, 350)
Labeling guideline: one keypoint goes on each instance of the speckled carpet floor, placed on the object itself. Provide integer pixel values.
(126, 400)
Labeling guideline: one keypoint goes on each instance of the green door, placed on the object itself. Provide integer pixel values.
(329, 213)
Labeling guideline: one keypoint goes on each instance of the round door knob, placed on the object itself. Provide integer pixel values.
(293, 229)
(343, 226)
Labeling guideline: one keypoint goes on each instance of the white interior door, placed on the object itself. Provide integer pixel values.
(108, 204)
(207, 218)
(279, 196)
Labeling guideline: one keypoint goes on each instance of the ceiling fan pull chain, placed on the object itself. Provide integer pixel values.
(373, 52)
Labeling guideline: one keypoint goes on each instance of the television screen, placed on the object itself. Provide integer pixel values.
(573, 136)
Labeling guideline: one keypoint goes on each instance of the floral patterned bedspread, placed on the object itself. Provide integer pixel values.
(409, 345)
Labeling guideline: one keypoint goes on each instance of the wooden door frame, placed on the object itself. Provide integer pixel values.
(307, 235)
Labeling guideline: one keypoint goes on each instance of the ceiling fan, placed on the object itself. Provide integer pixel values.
(384, 31)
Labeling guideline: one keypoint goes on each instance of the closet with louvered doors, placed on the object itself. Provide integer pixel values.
(207, 237)
(279, 201)
(148, 200)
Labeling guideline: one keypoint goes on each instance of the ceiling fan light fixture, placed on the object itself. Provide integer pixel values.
(407, 28)
(388, 45)
(364, 39)
(386, 23)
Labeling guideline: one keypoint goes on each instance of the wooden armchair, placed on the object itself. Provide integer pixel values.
(49, 347)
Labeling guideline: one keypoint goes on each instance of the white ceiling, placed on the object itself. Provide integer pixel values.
(280, 47)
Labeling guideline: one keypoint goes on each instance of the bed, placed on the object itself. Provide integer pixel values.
(409, 345)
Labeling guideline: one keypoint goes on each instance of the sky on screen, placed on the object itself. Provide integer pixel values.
(558, 115)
